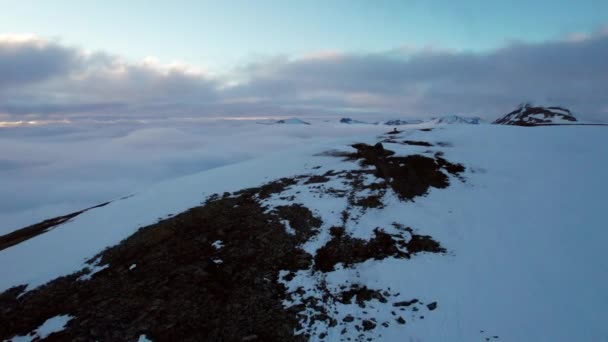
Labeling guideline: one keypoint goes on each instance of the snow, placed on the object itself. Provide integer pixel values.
(217, 244)
(64, 250)
(143, 338)
(51, 325)
(511, 234)
(92, 271)
(132, 267)
(288, 227)
(525, 234)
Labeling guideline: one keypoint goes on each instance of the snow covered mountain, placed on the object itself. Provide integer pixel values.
(452, 119)
(454, 233)
(529, 115)
(350, 121)
(398, 122)
(455, 119)
(290, 121)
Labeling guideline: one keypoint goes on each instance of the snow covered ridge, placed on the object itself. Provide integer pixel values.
(452, 119)
(290, 121)
(408, 239)
(350, 121)
(455, 119)
(253, 245)
(529, 115)
(397, 122)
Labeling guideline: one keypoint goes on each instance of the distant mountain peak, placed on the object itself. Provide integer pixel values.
(456, 119)
(290, 121)
(350, 121)
(527, 114)
(399, 122)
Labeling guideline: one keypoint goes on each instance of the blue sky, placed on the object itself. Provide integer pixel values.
(287, 58)
(221, 34)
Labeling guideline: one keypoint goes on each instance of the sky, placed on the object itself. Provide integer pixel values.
(219, 34)
(69, 59)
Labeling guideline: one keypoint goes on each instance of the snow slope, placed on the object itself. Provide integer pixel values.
(525, 234)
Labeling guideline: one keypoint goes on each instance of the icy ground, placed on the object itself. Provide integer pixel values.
(524, 232)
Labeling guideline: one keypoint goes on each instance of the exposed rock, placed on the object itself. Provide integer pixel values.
(417, 143)
(348, 319)
(368, 325)
(406, 303)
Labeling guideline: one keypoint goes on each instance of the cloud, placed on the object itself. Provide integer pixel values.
(27, 59)
(46, 78)
(54, 169)
(570, 72)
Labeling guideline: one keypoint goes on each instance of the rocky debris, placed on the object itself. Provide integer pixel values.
(300, 219)
(453, 168)
(348, 319)
(406, 303)
(362, 294)
(432, 306)
(177, 292)
(372, 201)
(423, 243)
(29, 232)
(529, 115)
(266, 190)
(368, 154)
(317, 179)
(409, 176)
(368, 325)
(343, 248)
(417, 143)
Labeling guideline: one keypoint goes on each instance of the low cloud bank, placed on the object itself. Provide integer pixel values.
(46, 79)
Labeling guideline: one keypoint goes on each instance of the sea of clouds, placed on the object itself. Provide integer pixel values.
(55, 169)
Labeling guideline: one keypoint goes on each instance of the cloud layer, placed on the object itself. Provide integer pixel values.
(54, 169)
(45, 78)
